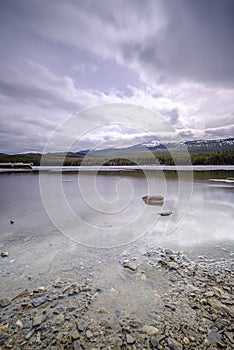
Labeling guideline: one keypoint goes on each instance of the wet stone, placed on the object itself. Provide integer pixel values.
(130, 265)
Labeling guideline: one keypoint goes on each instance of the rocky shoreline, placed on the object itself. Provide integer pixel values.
(196, 311)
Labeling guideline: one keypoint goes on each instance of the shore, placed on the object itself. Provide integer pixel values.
(193, 310)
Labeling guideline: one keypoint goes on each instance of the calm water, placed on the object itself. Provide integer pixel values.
(84, 213)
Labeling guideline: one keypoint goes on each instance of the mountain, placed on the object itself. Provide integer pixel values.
(212, 152)
(193, 146)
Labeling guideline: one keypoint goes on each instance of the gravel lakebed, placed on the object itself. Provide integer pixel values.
(194, 309)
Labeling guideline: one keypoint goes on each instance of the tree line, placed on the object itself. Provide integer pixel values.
(155, 157)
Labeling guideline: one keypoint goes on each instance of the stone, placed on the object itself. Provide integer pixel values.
(41, 289)
(165, 213)
(75, 334)
(59, 319)
(38, 337)
(4, 328)
(216, 304)
(29, 335)
(37, 321)
(130, 339)
(174, 344)
(129, 265)
(214, 337)
(76, 346)
(209, 294)
(4, 254)
(39, 301)
(150, 330)
(19, 324)
(186, 341)
(154, 341)
(82, 325)
(89, 334)
(4, 302)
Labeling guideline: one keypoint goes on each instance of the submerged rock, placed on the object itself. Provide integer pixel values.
(130, 265)
(165, 213)
(153, 200)
(4, 254)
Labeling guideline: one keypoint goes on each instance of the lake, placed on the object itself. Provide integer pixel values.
(70, 222)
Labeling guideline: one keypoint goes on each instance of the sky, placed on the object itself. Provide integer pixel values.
(59, 57)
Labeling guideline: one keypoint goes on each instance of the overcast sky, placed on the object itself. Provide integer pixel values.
(61, 56)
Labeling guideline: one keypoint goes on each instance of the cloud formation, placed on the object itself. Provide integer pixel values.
(174, 57)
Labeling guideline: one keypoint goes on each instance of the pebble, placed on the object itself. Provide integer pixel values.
(130, 339)
(39, 301)
(75, 335)
(214, 337)
(81, 325)
(150, 330)
(37, 321)
(89, 334)
(209, 294)
(76, 346)
(29, 335)
(186, 341)
(174, 344)
(19, 324)
(4, 302)
(129, 265)
(41, 289)
(201, 317)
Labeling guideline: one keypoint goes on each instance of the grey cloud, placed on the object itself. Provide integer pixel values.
(196, 44)
(163, 40)
(143, 53)
(187, 134)
(226, 131)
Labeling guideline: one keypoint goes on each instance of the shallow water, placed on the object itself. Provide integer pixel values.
(107, 212)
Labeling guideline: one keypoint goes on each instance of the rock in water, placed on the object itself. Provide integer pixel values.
(4, 254)
(165, 213)
(129, 265)
(153, 200)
